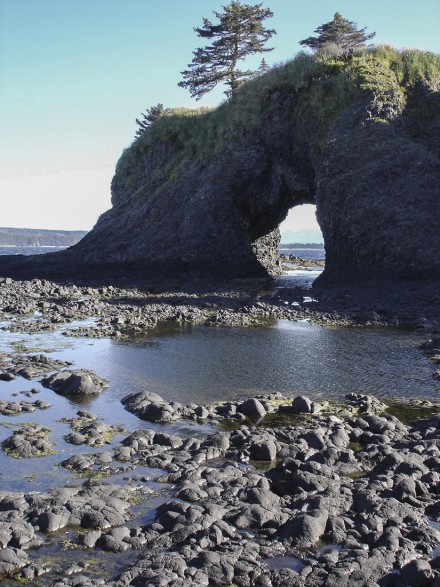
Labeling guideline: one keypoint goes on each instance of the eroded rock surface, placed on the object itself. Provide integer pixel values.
(347, 498)
(359, 140)
(76, 382)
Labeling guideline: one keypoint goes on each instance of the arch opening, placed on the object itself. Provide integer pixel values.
(301, 226)
(301, 253)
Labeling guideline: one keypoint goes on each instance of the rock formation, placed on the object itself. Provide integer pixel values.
(205, 193)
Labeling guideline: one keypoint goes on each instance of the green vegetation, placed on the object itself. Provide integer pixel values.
(239, 33)
(355, 446)
(411, 412)
(309, 91)
(152, 114)
(20, 347)
(339, 37)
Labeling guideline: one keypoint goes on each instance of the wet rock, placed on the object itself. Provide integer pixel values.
(305, 529)
(29, 442)
(263, 449)
(201, 412)
(90, 538)
(114, 541)
(218, 566)
(417, 573)
(12, 559)
(75, 438)
(79, 382)
(54, 520)
(87, 430)
(28, 366)
(7, 376)
(252, 408)
(150, 406)
(303, 405)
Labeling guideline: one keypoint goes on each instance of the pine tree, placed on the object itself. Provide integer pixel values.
(239, 33)
(339, 36)
(152, 114)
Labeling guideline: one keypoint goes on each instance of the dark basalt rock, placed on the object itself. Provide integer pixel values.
(78, 382)
(28, 442)
(304, 520)
(372, 170)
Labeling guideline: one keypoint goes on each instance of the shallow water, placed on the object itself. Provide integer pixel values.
(285, 562)
(202, 364)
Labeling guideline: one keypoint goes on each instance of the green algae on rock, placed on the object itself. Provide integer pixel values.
(29, 441)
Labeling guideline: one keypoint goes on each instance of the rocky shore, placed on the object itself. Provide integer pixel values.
(344, 494)
(106, 310)
(272, 491)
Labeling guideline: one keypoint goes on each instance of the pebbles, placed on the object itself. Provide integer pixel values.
(27, 366)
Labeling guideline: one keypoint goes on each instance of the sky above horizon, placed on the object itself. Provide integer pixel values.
(75, 74)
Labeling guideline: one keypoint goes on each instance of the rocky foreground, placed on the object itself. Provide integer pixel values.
(282, 491)
(346, 497)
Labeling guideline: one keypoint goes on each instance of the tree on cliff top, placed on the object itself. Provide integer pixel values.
(239, 33)
(152, 114)
(339, 36)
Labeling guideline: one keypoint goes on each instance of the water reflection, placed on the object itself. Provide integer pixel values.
(200, 364)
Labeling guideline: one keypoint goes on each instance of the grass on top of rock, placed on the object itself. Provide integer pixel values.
(314, 88)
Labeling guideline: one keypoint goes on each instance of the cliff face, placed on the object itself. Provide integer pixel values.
(378, 198)
(206, 193)
(220, 216)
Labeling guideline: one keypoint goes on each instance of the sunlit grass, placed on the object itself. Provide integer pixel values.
(308, 90)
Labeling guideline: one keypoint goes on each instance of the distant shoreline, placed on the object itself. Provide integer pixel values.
(33, 237)
(282, 246)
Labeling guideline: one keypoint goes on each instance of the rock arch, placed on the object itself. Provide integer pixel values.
(375, 182)
(374, 185)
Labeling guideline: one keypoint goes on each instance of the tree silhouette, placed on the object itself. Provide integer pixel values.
(152, 114)
(339, 36)
(239, 33)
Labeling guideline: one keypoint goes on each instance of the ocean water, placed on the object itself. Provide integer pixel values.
(308, 252)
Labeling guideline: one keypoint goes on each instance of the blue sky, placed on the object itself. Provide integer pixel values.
(75, 74)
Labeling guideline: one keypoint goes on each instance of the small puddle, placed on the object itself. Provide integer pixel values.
(329, 548)
(61, 558)
(436, 525)
(285, 562)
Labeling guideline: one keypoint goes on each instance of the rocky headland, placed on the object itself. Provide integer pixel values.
(272, 491)
(203, 192)
(30, 237)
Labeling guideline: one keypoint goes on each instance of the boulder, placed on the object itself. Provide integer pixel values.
(263, 450)
(75, 383)
(305, 529)
(302, 405)
(252, 408)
